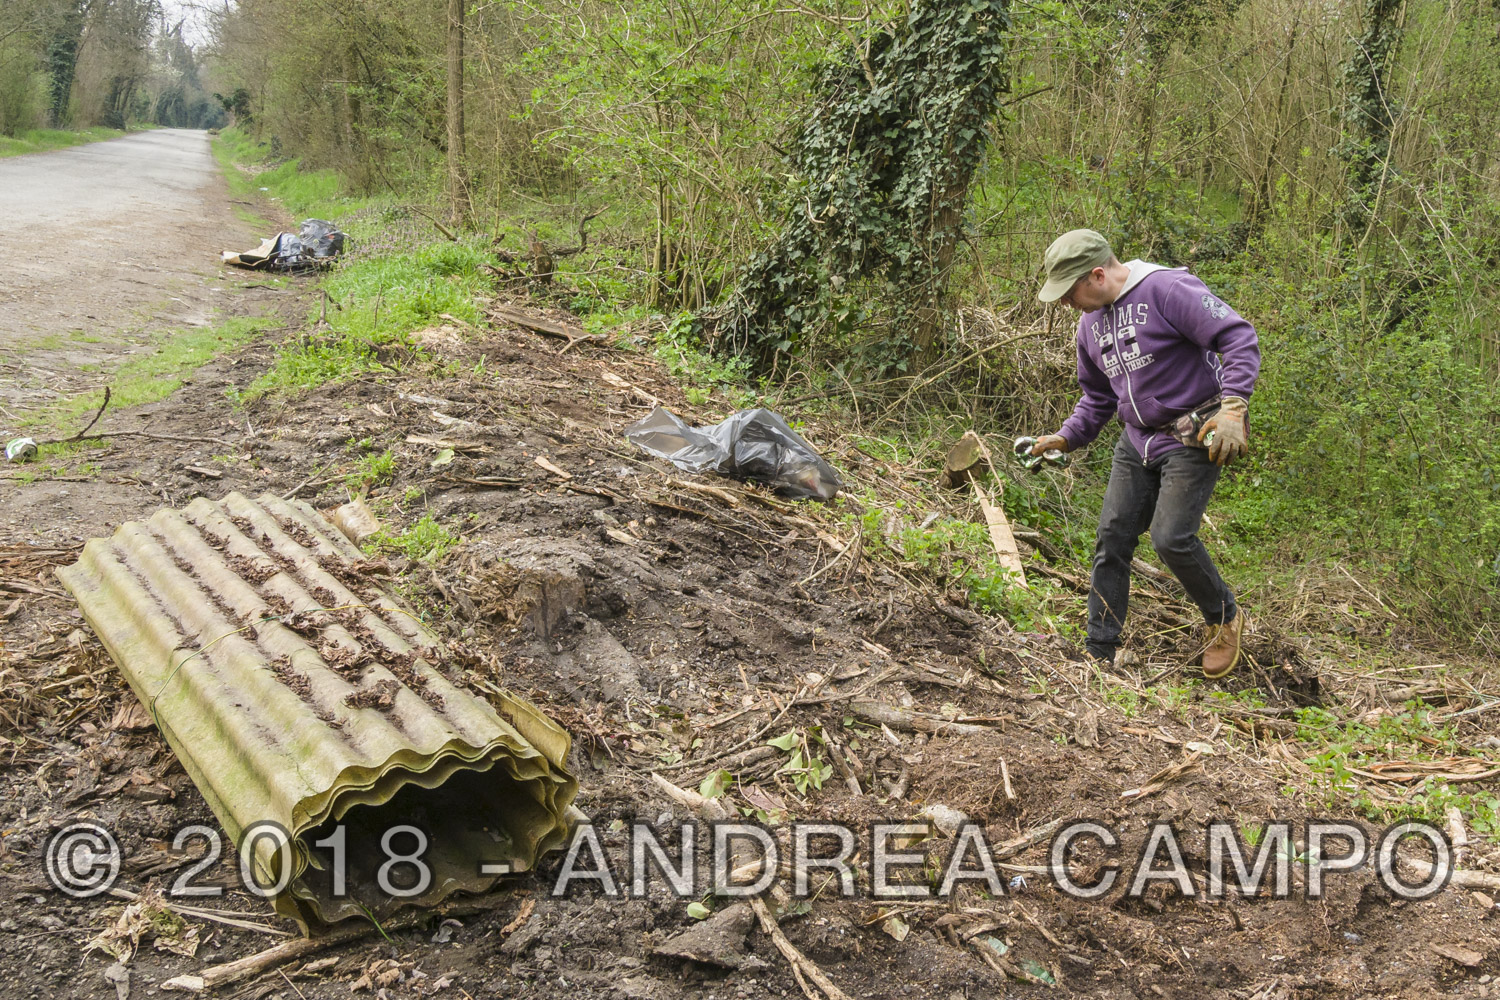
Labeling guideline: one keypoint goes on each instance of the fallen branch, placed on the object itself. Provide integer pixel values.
(547, 327)
(1001, 539)
(433, 219)
(802, 967)
(1466, 878)
(583, 236)
(232, 972)
(97, 415)
(80, 435)
(1164, 777)
(708, 808)
(1030, 839)
(150, 436)
(912, 722)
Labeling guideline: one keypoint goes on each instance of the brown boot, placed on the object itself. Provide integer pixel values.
(1223, 649)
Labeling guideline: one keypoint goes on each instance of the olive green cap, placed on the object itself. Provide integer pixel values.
(1070, 257)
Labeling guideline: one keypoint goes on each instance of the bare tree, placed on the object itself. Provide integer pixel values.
(458, 180)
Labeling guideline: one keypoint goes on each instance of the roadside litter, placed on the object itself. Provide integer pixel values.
(20, 450)
(316, 714)
(751, 444)
(316, 244)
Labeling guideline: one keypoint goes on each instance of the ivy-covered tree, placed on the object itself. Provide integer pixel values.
(1369, 109)
(882, 167)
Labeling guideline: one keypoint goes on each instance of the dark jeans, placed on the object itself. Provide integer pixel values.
(1168, 496)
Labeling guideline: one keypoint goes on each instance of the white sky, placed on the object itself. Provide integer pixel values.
(192, 14)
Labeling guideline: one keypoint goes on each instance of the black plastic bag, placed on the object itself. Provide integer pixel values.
(321, 239)
(290, 255)
(751, 444)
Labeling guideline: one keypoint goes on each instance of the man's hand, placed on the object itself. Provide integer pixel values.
(1229, 427)
(1051, 442)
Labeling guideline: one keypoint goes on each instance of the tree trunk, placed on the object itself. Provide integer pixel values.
(458, 180)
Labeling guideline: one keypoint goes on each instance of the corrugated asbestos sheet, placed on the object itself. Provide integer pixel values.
(294, 689)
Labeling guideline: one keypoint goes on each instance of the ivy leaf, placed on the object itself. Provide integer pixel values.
(784, 742)
(716, 784)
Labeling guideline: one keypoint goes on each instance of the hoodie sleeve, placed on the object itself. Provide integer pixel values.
(1203, 318)
(1097, 405)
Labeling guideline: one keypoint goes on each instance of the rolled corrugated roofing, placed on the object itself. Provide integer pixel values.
(295, 689)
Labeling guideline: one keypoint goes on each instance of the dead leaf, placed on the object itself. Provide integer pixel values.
(520, 918)
(1086, 730)
(130, 714)
(559, 473)
(896, 928)
(146, 918)
(763, 800)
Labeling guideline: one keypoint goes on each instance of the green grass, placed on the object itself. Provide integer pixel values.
(55, 341)
(154, 376)
(313, 192)
(1337, 749)
(40, 140)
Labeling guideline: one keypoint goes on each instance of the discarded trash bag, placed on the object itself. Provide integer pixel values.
(321, 239)
(751, 444)
(282, 252)
(318, 243)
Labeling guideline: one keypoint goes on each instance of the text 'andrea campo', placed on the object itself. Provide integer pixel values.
(898, 860)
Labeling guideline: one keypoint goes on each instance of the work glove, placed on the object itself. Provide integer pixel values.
(1229, 426)
(1049, 442)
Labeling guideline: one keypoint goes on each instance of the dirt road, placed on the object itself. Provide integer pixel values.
(108, 244)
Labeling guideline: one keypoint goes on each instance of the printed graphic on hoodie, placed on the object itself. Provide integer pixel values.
(1127, 356)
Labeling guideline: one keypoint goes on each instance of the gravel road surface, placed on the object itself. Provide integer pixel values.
(107, 245)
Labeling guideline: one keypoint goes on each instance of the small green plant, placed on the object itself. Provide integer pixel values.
(424, 540)
(703, 372)
(716, 784)
(372, 470)
(804, 765)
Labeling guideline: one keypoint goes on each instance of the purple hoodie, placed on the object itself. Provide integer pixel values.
(1165, 347)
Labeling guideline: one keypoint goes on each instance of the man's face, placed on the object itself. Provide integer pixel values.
(1088, 293)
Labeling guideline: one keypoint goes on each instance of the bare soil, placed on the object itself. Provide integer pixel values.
(671, 630)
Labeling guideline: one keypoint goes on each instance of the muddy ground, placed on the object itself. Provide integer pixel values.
(685, 628)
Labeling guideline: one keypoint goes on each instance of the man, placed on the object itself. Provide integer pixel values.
(1178, 366)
